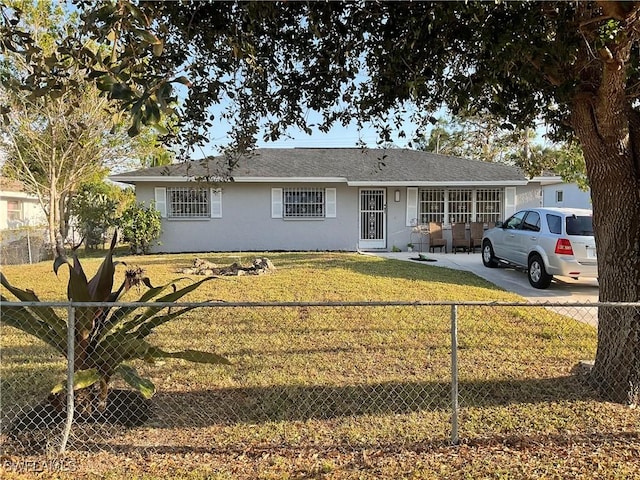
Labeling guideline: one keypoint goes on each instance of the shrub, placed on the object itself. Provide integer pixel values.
(140, 227)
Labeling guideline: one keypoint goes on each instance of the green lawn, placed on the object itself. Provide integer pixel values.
(347, 392)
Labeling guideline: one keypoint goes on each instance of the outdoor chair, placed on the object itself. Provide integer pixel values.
(435, 237)
(459, 238)
(476, 230)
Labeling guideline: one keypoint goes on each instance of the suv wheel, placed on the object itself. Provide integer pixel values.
(538, 276)
(488, 259)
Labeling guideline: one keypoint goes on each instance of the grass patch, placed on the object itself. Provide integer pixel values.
(346, 391)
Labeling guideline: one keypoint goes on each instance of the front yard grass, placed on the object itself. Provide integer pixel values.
(345, 392)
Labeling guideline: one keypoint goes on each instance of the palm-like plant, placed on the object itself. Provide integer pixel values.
(106, 338)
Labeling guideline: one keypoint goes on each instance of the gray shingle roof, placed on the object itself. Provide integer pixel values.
(355, 165)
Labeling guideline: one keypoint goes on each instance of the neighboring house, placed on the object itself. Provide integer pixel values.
(557, 193)
(18, 208)
(324, 198)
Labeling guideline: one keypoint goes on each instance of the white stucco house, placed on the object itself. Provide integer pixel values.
(324, 198)
(557, 193)
(18, 208)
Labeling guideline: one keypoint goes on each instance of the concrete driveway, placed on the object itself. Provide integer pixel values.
(562, 289)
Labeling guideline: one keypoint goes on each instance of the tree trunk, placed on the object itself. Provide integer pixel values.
(608, 136)
(51, 219)
(64, 215)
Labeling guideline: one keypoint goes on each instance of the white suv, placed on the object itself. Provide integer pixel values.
(545, 241)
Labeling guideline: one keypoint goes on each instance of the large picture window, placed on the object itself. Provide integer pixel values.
(185, 202)
(303, 202)
(460, 205)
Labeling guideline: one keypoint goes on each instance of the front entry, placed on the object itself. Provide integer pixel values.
(373, 218)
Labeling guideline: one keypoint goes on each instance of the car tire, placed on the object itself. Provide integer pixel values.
(538, 276)
(488, 258)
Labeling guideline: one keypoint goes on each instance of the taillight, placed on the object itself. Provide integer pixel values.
(563, 247)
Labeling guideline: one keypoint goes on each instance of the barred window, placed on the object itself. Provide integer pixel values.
(185, 202)
(488, 204)
(431, 206)
(303, 202)
(460, 206)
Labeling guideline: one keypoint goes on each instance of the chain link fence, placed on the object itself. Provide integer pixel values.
(23, 246)
(357, 374)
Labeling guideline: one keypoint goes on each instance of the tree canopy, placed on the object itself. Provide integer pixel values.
(573, 65)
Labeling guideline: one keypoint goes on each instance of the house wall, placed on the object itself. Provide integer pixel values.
(246, 223)
(528, 196)
(573, 197)
(32, 213)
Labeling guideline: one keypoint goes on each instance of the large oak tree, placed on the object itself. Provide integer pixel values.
(572, 64)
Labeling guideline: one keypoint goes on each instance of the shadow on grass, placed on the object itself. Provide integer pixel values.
(265, 405)
(545, 444)
(400, 269)
(300, 403)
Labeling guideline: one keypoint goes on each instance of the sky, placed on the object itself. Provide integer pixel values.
(338, 136)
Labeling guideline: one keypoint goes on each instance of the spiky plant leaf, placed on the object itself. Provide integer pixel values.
(45, 314)
(22, 319)
(130, 375)
(81, 379)
(171, 297)
(101, 284)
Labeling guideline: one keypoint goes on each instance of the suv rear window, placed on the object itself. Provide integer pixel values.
(582, 225)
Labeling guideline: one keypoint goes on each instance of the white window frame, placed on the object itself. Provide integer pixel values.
(303, 203)
(11, 212)
(447, 205)
(559, 196)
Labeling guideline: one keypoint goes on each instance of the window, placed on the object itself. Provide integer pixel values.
(303, 202)
(185, 202)
(580, 225)
(431, 206)
(559, 196)
(14, 210)
(488, 204)
(515, 222)
(532, 222)
(555, 223)
(460, 205)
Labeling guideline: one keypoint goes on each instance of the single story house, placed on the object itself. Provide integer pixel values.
(558, 193)
(304, 199)
(18, 208)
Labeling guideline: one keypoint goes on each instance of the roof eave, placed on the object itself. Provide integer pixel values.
(427, 183)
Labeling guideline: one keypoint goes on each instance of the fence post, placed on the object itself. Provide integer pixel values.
(454, 375)
(71, 328)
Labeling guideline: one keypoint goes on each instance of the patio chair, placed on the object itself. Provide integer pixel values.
(476, 230)
(435, 237)
(460, 240)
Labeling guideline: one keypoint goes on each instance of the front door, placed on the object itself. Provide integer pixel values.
(373, 218)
